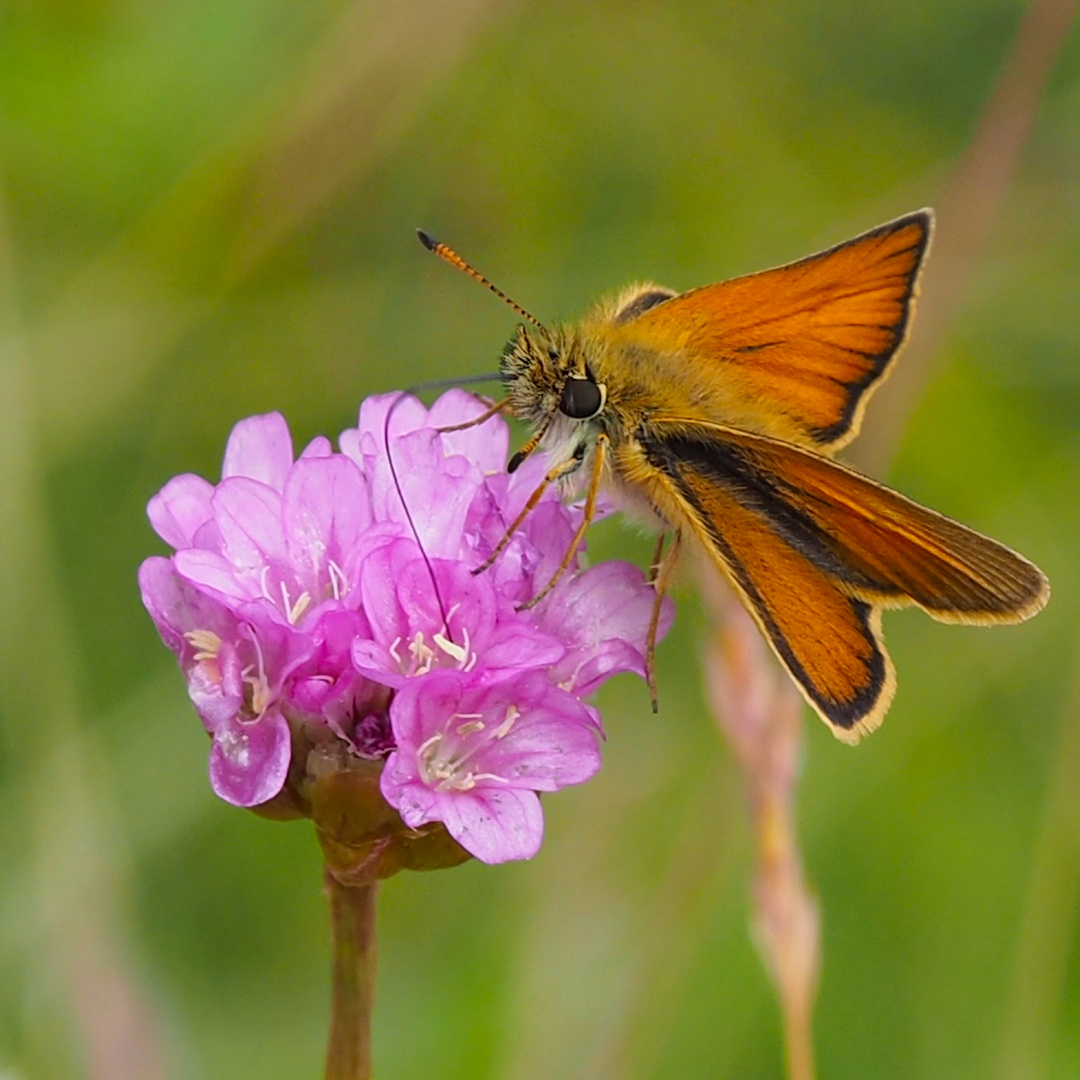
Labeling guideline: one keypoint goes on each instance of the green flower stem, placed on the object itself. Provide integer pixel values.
(352, 927)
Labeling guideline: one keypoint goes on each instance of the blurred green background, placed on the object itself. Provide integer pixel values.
(206, 211)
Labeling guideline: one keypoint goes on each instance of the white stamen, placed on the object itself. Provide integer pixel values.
(512, 714)
(339, 583)
(206, 642)
(422, 653)
(303, 602)
(260, 697)
(435, 739)
(451, 648)
(392, 650)
(569, 681)
(264, 573)
(442, 761)
(449, 782)
(260, 687)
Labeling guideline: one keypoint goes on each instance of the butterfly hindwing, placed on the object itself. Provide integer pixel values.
(829, 642)
(885, 545)
(816, 551)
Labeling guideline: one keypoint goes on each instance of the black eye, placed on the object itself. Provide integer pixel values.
(581, 398)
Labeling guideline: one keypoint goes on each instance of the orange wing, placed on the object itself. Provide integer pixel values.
(883, 545)
(807, 341)
(816, 551)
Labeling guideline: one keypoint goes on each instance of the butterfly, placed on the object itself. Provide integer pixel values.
(716, 414)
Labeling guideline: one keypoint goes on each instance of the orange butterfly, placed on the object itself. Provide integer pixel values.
(716, 412)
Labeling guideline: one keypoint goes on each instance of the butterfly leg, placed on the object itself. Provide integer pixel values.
(563, 468)
(476, 421)
(599, 458)
(657, 558)
(659, 575)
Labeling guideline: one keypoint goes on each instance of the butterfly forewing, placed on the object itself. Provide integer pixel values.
(801, 343)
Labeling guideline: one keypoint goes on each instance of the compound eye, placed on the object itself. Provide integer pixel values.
(581, 399)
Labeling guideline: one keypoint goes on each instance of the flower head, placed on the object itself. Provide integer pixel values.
(332, 596)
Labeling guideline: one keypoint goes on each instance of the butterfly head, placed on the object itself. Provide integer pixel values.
(551, 386)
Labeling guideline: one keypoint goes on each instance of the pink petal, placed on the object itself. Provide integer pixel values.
(214, 574)
(583, 671)
(180, 508)
(519, 645)
(375, 662)
(602, 614)
(546, 752)
(216, 688)
(414, 801)
(388, 414)
(324, 511)
(378, 575)
(422, 706)
(176, 607)
(606, 601)
(165, 601)
(552, 743)
(436, 491)
(495, 824)
(468, 601)
(260, 447)
(318, 447)
(248, 514)
(249, 761)
(485, 445)
(351, 444)
(549, 529)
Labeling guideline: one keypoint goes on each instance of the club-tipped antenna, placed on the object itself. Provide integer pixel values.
(454, 259)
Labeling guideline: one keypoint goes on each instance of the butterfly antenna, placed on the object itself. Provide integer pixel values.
(454, 259)
(434, 384)
(408, 514)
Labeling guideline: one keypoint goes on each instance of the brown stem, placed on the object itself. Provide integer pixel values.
(799, 1041)
(352, 928)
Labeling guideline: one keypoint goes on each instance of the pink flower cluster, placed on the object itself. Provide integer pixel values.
(336, 591)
